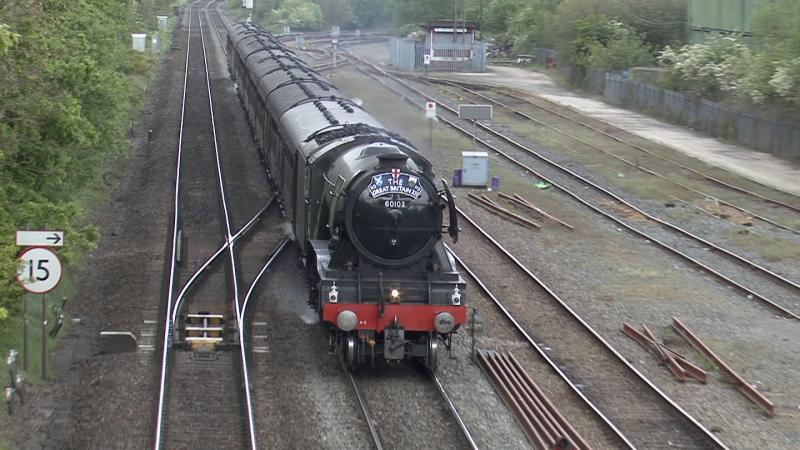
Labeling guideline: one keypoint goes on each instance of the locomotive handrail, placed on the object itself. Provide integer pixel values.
(266, 48)
(328, 180)
(452, 229)
(300, 64)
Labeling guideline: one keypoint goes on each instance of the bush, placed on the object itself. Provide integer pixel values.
(705, 68)
(785, 81)
(66, 101)
(607, 44)
(725, 67)
(298, 14)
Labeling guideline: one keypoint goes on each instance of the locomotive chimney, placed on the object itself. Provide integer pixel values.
(392, 160)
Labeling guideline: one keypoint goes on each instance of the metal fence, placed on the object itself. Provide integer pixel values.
(780, 139)
(594, 81)
(408, 54)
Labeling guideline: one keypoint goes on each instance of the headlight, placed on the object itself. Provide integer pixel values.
(347, 320)
(444, 322)
(394, 295)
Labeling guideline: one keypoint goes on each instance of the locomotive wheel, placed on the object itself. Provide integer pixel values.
(348, 350)
(432, 355)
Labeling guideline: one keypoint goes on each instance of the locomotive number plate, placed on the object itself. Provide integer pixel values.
(394, 204)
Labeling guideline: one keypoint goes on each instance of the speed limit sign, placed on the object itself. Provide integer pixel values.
(39, 270)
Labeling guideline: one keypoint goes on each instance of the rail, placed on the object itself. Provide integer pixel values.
(546, 357)
(362, 402)
(456, 415)
(171, 281)
(203, 267)
(231, 253)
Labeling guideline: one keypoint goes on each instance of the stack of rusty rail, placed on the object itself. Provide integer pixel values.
(542, 423)
(495, 208)
(519, 200)
(675, 362)
(682, 368)
(744, 387)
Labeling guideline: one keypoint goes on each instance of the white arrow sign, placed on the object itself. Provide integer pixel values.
(40, 238)
(39, 270)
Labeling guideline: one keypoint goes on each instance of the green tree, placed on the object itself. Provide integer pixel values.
(725, 67)
(776, 27)
(531, 26)
(338, 12)
(7, 38)
(299, 14)
(68, 94)
(372, 13)
(604, 43)
(626, 49)
(659, 22)
(553, 23)
(498, 14)
(421, 11)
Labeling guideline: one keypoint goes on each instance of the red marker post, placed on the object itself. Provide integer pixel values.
(430, 114)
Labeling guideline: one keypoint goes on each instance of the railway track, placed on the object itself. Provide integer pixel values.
(550, 366)
(780, 293)
(205, 384)
(413, 394)
(215, 20)
(434, 388)
(630, 406)
(640, 163)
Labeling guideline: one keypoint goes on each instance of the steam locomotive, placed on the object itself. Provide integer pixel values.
(364, 207)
